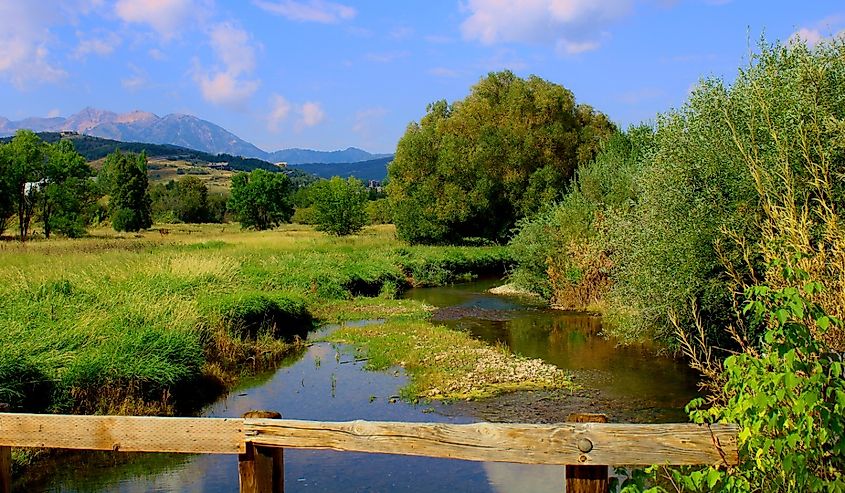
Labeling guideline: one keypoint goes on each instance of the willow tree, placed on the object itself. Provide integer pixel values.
(474, 167)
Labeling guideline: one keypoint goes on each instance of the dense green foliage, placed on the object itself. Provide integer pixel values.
(339, 205)
(378, 211)
(260, 199)
(564, 251)
(45, 181)
(681, 216)
(473, 168)
(68, 192)
(187, 201)
(125, 176)
(787, 397)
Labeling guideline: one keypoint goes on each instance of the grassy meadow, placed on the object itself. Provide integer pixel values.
(158, 323)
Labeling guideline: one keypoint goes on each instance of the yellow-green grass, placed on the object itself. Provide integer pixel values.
(152, 322)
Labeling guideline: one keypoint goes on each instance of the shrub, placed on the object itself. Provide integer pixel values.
(562, 252)
(787, 397)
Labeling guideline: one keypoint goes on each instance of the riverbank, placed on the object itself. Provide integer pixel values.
(153, 324)
(161, 324)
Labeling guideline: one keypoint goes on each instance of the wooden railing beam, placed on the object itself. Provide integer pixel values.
(613, 444)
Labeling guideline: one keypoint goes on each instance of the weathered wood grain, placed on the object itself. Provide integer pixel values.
(612, 444)
(123, 433)
(5, 469)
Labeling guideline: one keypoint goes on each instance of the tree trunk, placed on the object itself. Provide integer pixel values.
(21, 209)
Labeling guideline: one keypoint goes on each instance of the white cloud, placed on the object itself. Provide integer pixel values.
(575, 47)
(156, 54)
(55, 112)
(825, 28)
(574, 26)
(229, 82)
(365, 118)
(225, 89)
(279, 110)
(809, 36)
(232, 46)
(25, 39)
(312, 114)
(309, 11)
(102, 45)
(167, 17)
(138, 79)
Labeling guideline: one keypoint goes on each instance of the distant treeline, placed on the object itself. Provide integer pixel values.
(51, 183)
(94, 148)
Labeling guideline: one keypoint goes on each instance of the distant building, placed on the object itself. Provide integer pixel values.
(34, 186)
(374, 184)
(281, 164)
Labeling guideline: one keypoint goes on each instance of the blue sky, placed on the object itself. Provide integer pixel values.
(331, 74)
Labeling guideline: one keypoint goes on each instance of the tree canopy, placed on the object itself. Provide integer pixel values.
(474, 167)
(340, 205)
(261, 199)
(129, 203)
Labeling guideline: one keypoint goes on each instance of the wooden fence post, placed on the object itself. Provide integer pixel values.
(587, 479)
(5, 469)
(261, 469)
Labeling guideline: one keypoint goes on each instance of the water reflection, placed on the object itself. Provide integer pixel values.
(326, 383)
(633, 375)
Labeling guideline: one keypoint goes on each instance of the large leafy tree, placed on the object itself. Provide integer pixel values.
(185, 200)
(474, 167)
(340, 205)
(261, 199)
(129, 202)
(26, 162)
(67, 190)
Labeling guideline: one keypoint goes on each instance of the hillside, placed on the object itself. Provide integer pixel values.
(373, 169)
(180, 160)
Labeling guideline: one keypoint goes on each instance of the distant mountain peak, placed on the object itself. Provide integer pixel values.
(176, 129)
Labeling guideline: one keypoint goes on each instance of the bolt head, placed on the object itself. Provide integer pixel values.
(585, 445)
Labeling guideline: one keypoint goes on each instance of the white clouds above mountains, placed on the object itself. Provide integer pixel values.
(230, 82)
(166, 17)
(572, 26)
(102, 44)
(279, 110)
(312, 114)
(308, 11)
(26, 39)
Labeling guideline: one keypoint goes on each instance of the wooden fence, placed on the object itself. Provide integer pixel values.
(260, 437)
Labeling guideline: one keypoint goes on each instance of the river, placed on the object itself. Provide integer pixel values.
(328, 382)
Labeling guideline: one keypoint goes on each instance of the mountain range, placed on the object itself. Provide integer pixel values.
(176, 129)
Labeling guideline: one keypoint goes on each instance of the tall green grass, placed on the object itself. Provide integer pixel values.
(141, 324)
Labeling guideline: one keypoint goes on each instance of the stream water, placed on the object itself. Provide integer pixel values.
(328, 382)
